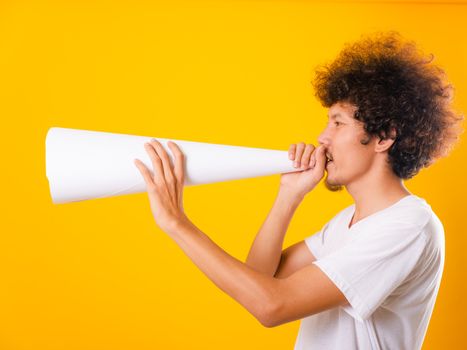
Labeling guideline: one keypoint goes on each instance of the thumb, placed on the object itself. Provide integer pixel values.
(320, 158)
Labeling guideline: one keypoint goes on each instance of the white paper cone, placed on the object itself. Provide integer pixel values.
(82, 164)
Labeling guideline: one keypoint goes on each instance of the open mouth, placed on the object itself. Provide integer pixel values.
(328, 158)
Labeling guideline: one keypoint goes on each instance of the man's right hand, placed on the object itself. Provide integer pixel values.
(312, 160)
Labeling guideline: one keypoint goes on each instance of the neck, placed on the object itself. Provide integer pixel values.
(374, 191)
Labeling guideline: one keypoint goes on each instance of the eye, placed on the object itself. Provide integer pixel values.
(337, 123)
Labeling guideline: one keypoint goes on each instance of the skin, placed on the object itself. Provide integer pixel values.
(299, 288)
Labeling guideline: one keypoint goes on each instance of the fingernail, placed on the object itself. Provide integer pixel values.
(296, 164)
(290, 156)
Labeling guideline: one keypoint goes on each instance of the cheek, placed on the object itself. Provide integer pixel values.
(351, 156)
(352, 159)
(356, 163)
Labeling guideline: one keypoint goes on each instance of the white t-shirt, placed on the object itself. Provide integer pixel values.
(389, 266)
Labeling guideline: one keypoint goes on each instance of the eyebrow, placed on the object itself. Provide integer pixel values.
(334, 116)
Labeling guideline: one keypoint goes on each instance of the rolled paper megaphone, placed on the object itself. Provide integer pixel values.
(83, 164)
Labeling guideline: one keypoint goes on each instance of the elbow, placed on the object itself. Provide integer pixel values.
(268, 324)
(267, 317)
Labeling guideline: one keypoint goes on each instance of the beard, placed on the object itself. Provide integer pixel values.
(333, 187)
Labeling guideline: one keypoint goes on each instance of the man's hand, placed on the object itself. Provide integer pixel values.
(313, 163)
(165, 187)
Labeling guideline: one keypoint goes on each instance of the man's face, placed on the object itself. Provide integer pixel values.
(341, 137)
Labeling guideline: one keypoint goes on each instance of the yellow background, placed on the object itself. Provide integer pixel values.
(99, 274)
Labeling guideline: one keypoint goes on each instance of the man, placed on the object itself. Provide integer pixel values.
(369, 278)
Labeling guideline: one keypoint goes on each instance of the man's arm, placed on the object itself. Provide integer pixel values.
(272, 301)
(265, 252)
(306, 292)
(294, 258)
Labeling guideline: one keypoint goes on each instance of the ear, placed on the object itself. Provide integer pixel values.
(386, 142)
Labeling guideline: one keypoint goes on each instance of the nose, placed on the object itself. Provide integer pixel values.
(324, 138)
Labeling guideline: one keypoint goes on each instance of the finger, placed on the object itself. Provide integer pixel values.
(298, 154)
(144, 171)
(292, 148)
(313, 158)
(179, 162)
(306, 155)
(166, 165)
(320, 158)
(179, 170)
(156, 164)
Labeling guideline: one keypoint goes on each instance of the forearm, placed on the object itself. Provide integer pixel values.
(265, 252)
(252, 289)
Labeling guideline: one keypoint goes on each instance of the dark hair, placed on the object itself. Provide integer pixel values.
(394, 86)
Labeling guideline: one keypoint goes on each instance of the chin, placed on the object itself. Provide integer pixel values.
(332, 186)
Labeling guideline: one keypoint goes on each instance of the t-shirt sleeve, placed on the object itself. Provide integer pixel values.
(315, 242)
(373, 264)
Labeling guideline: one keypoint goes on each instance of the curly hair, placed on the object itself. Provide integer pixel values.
(394, 87)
